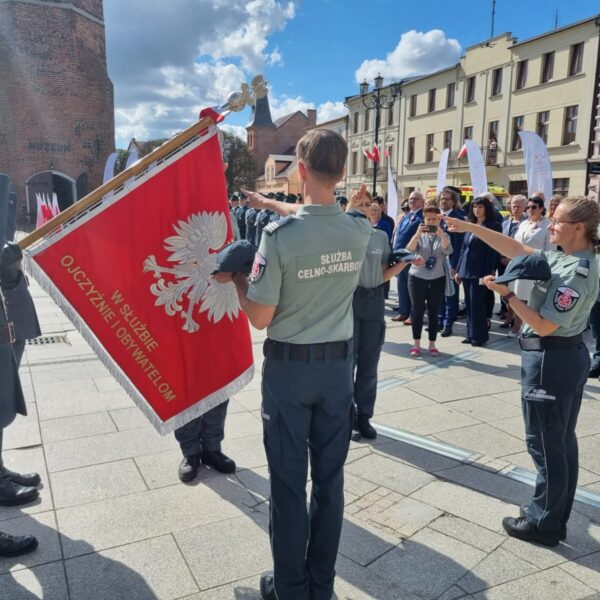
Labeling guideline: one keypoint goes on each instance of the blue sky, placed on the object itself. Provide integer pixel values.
(167, 59)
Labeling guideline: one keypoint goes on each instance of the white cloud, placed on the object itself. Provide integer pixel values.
(286, 105)
(165, 64)
(275, 58)
(236, 130)
(330, 110)
(249, 41)
(417, 53)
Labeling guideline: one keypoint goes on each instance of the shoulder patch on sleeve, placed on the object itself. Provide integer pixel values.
(583, 267)
(258, 268)
(273, 226)
(565, 298)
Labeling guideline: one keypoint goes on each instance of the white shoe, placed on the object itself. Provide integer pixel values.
(512, 334)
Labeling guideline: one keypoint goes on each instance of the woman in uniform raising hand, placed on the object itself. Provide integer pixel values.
(555, 361)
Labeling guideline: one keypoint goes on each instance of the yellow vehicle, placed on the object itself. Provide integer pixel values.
(466, 195)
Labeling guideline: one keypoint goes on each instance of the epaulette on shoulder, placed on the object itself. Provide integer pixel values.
(273, 226)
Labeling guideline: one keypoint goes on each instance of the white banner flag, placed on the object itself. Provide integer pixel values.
(441, 178)
(109, 167)
(476, 168)
(538, 169)
(392, 201)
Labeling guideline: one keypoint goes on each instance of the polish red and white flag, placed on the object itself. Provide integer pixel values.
(134, 275)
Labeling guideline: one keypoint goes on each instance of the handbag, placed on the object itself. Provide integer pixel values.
(449, 289)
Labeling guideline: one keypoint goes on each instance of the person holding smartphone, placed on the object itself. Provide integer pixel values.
(427, 283)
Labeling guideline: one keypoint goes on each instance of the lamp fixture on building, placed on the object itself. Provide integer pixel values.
(376, 100)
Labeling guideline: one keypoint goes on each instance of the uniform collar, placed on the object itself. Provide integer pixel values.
(319, 210)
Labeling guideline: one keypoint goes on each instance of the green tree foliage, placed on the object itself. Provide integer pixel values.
(242, 170)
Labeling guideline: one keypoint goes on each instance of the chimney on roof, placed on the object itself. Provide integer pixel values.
(311, 113)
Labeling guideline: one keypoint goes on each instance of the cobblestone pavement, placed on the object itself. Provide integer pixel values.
(424, 501)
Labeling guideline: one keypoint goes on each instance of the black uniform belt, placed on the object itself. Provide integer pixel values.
(550, 342)
(306, 352)
(364, 292)
(7, 333)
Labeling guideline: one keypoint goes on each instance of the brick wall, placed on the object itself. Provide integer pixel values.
(56, 99)
(271, 140)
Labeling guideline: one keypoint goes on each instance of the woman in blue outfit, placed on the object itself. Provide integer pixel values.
(476, 261)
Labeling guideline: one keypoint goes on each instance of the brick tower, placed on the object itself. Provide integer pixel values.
(56, 99)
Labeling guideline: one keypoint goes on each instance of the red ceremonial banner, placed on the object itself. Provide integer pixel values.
(134, 275)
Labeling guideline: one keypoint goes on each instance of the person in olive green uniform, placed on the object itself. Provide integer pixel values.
(368, 307)
(300, 289)
(555, 361)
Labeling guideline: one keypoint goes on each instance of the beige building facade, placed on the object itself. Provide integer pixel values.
(361, 134)
(340, 126)
(594, 162)
(547, 84)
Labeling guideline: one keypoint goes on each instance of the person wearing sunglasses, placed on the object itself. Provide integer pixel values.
(534, 233)
(554, 359)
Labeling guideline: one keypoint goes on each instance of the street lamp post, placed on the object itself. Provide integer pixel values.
(378, 100)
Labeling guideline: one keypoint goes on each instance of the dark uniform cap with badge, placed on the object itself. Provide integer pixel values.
(401, 255)
(533, 267)
(236, 258)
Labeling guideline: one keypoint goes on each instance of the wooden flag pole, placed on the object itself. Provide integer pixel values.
(114, 183)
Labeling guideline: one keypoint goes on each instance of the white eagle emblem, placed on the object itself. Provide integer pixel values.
(191, 282)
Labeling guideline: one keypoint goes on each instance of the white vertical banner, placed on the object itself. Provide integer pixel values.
(392, 199)
(442, 168)
(538, 168)
(476, 168)
(132, 158)
(109, 167)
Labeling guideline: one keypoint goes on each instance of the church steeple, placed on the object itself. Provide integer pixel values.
(261, 114)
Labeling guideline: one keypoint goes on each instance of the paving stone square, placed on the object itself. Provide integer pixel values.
(423, 509)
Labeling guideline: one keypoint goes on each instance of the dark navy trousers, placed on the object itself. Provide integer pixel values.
(476, 303)
(204, 433)
(595, 325)
(403, 295)
(18, 348)
(552, 388)
(368, 306)
(449, 309)
(307, 419)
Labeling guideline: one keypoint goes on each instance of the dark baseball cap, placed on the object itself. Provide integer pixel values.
(534, 267)
(236, 257)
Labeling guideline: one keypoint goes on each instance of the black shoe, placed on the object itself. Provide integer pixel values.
(462, 312)
(478, 343)
(522, 530)
(506, 324)
(15, 545)
(217, 460)
(26, 479)
(594, 372)
(366, 429)
(563, 530)
(446, 332)
(13, 494)
(267, 587)
(188, 467)
(501, 314)
(466, 341)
